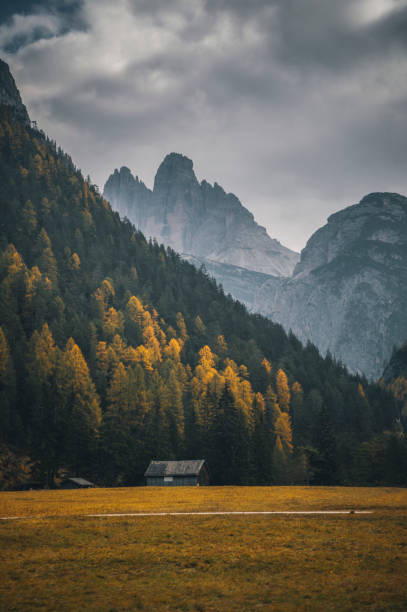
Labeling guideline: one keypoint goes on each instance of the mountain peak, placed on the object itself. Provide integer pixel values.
(9, 94)
(347, 294)
(382, 197)
(378, 217)
(124, 170)
(371, 204)
(199, 219)
(177, 160)
(175, 167)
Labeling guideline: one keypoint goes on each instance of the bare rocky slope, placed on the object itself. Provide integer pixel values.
(9, 94)
(348, 293)
(197, 219)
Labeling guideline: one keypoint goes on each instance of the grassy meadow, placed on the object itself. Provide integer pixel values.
(56, 558)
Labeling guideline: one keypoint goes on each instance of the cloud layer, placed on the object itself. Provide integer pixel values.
(297, 106)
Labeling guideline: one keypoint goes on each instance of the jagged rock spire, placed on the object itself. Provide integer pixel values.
(197, 219)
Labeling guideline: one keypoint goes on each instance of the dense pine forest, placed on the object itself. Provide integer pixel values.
(115, 351)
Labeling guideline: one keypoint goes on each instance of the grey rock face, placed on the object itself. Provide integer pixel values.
(9, 94)
(348, 293)
(197, 218)
(241, 283)
(122, 189)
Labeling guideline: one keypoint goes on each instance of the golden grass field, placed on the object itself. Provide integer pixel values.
(56, 558)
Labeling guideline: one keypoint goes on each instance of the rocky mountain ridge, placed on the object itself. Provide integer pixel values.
(197, 218)
(9, 94)
(348, 293)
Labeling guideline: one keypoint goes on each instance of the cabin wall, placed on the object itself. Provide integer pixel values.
(176, 481)
(74, 485)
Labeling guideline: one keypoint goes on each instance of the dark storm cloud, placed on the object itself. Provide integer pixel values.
(29, 21)
(316, 32)
(336, 39)
(298, 106)
(8, 8)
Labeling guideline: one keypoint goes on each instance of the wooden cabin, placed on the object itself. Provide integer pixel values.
(76, 483)
(191, 472)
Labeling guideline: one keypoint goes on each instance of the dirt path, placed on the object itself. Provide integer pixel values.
(209, 513)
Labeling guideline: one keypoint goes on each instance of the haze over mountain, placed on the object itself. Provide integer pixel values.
(348, 293)
(197, 218)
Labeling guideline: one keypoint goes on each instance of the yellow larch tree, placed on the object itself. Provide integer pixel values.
(283, 391)
(78, 406)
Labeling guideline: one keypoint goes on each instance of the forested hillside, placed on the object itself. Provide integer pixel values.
(114, 351)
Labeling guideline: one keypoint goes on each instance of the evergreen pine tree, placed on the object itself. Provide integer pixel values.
(9, 421)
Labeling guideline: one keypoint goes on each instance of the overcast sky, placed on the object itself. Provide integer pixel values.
(299, 107)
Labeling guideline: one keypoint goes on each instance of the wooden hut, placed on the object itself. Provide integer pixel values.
(76, 483)
(191, 472)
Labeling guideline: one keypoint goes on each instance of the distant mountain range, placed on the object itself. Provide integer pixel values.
(347, 293)
(197, 218)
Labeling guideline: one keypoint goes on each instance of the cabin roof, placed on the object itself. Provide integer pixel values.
(190, 467)
(80, 481)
